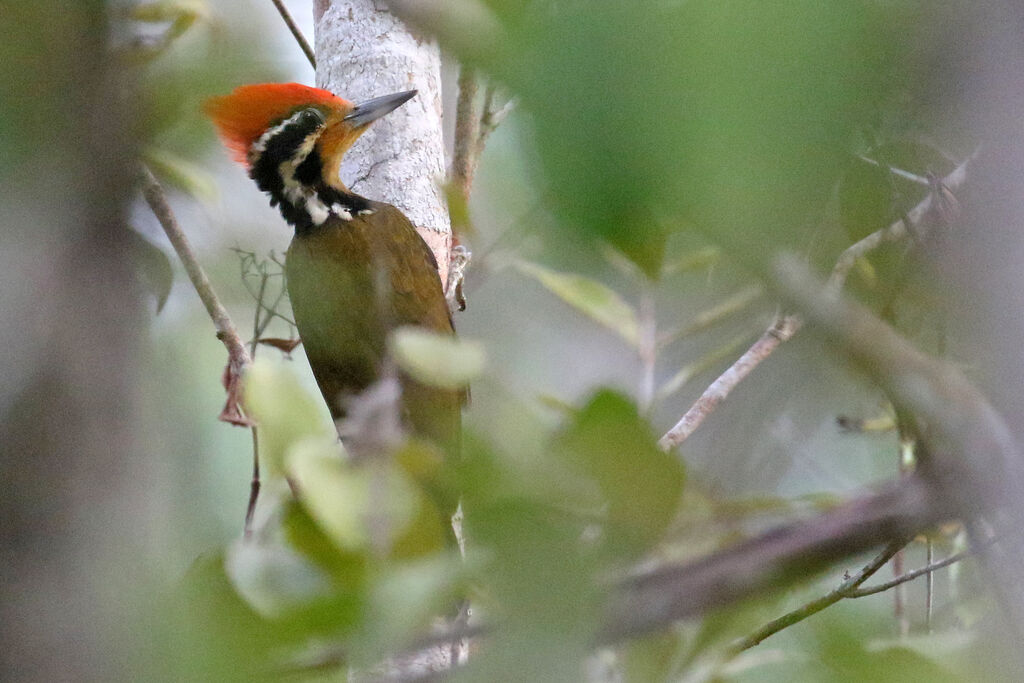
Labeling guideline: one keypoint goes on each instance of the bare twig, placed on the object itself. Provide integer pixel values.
(254, 484)
(491, 117)
(898, 230)
(467, 132)
(692, 369)
(239, 359)
(647, 344)
(905, 456)
(294, 28)
(657, 598)
(843, 590)
(973, 460)
(927, 570)
(781, 330)
(929, 587)
(784, 328)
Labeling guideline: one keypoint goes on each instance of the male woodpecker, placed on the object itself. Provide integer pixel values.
(356, 268)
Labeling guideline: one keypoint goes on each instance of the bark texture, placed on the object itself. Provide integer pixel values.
(364, 51)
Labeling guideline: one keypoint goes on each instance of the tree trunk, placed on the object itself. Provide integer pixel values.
(364, 51)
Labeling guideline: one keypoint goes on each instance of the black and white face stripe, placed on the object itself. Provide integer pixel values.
(285, 164)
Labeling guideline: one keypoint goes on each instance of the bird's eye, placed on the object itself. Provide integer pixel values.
(312, 116)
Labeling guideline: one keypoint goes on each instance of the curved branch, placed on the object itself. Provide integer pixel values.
(909, 576)
(651, 601)
(843, 590)
(239, 359)
(784, 328)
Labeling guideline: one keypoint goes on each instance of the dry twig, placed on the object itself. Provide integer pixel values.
(785, 327)
(239, 359)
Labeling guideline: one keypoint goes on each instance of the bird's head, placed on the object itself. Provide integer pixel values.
(292, 138)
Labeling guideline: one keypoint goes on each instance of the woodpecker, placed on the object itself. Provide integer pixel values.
(356, 268)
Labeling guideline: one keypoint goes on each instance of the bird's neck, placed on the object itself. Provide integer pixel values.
(291, 171)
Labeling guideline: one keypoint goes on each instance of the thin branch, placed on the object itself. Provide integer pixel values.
(781, 330)
(784, 328)
(254, 485)
(491, 118)
(294, 28)
(467, 132)
(653, 600)
(239, 359)
(929, 587)
(647, 345)
(843, 590)
(910, 576)
(691, 370)
(972, 457)
(907, 175)
(898, 230)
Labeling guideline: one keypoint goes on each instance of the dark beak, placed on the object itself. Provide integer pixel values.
(371, 110)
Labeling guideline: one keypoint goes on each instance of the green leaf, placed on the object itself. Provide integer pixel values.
(699, 259)
(272, 577)
(154, 266)
(285, 412)
(435, 359)
(616, 448)
(403, 603)
(360, 507)
(589, 297)
(347, 569)
(652, 658)
(180, 173)
(169, 10)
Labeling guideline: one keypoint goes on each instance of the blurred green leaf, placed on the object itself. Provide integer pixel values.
(404, 601)
(365, 507)
(346, 568)
(285, 412)
(437, 360)
(272, 578)
(733, 117)
(180, 173)
(699, 259)
(642, 484)
(359, 507)
(425, 465)
(169, 10)
(180, 15)
(652, 658)
(538, 584)
(589, 297)
(210, 633)
(154, 266)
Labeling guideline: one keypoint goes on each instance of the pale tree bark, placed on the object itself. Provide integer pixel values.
(364, 51)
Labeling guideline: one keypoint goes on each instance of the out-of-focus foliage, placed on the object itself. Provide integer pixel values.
(731, 117)
(436, 360)
(672, 148)
(590, 297)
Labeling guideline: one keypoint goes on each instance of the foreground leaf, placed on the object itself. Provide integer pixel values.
(589, 297)
(437, 360)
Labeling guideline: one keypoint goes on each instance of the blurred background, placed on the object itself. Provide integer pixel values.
(658, 155)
